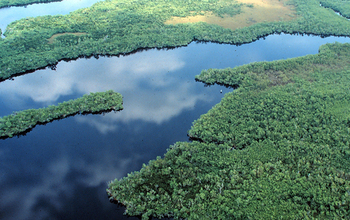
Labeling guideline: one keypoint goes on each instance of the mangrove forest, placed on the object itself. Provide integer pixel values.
(115, 27)
(277, 146)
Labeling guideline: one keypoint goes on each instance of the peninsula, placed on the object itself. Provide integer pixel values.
(276, 146)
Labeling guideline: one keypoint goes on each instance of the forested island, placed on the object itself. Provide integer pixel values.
(278, 146)
(115, 27)
(20, 122)
(9, 3)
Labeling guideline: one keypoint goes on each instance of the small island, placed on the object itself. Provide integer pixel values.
(277, 146)
(20, 122)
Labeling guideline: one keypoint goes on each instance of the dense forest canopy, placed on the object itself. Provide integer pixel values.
(120, 26)
(278, 146)
(341, 6)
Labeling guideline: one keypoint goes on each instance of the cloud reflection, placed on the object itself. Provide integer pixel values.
(58, 183)
(151, 83)
(161, 108)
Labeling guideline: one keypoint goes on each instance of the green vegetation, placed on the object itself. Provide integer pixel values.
(276, 147)
(281, 72)
(22, 121)
(341, 6)
(123, 26)
(8, 3)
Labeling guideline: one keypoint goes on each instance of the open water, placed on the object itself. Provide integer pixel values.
(61, 170)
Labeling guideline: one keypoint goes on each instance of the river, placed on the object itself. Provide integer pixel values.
(61, 170)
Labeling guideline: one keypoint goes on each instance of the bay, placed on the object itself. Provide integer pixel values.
(61, 170)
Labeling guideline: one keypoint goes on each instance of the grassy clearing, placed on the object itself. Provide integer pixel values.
(255, 11)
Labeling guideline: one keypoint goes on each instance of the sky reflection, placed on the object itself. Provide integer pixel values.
(61, 170)
(41, 174)
(92, 75)
(154, 85)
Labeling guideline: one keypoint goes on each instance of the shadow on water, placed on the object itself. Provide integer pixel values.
(235, 86)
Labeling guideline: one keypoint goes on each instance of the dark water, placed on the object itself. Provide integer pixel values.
(61, 170)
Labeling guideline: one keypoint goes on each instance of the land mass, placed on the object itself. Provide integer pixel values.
(23, 121)
(278, 146)
(119, 27)
(341, 6)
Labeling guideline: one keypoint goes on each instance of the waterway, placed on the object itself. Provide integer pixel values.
(61, 170)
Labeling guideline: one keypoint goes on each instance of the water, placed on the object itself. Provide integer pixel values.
(61, 170)
(8, 15)
(336, 12)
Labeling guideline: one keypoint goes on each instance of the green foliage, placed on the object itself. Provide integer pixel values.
(120, 26)
(229, 9)
(8, 3)
(266, 152)
(276, 147)
(264, 74)
(341, 6)
(94, 102)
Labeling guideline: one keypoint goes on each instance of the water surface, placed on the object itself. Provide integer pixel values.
(61, 170)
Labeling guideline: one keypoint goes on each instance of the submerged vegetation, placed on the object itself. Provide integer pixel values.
(278, 146)
(9, 3)
(22, 121)
(122, 26)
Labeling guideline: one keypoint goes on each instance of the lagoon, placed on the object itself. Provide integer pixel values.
(60, 170)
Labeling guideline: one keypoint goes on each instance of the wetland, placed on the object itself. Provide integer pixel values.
(61, 169)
